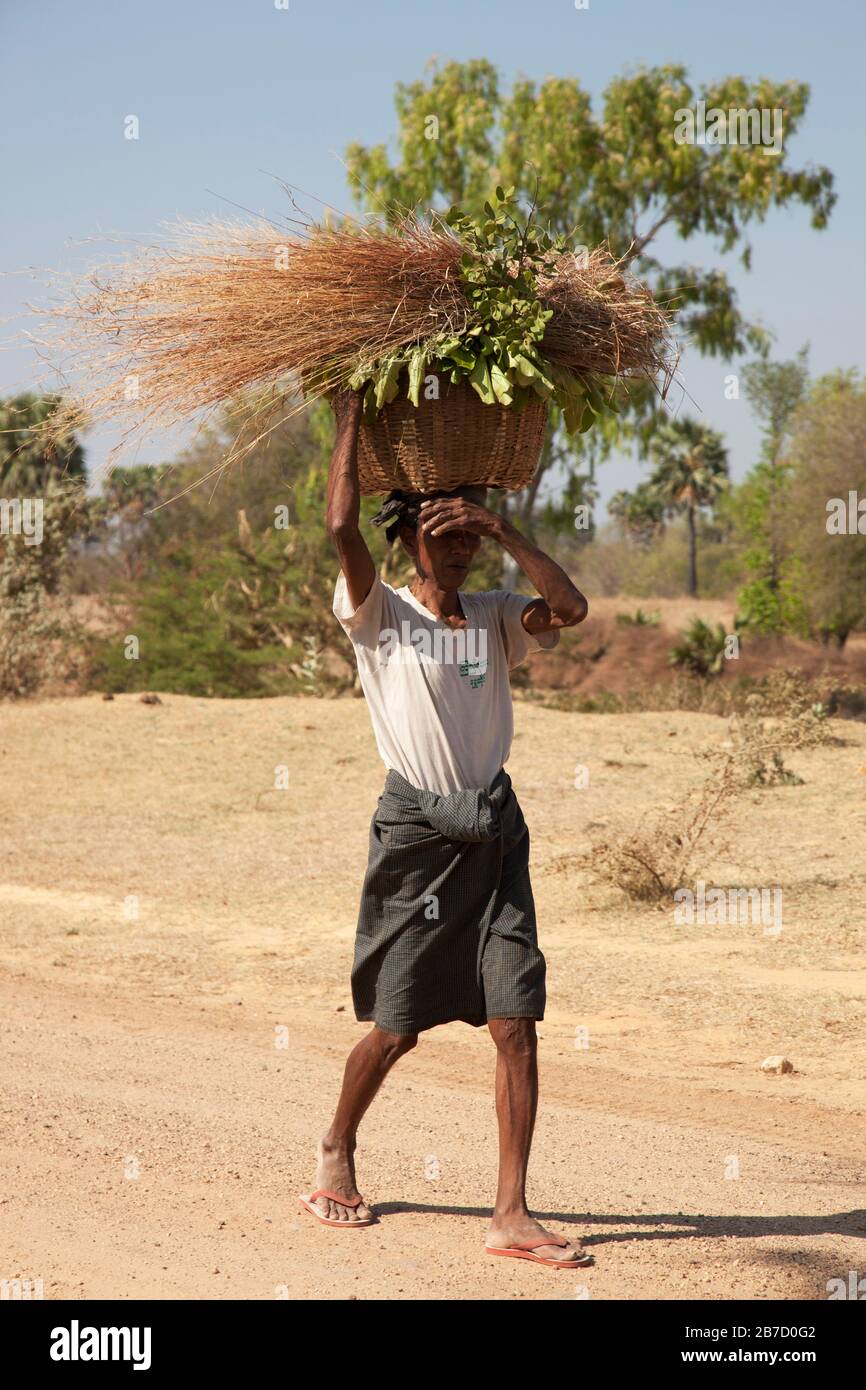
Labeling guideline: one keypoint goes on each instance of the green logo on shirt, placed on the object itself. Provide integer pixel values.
(475, 670)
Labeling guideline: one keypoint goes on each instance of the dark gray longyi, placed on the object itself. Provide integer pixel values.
(446, 928)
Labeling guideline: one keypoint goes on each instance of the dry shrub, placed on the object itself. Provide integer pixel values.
(776, 694)
(788, 694)
(648, 864)
(781, 718)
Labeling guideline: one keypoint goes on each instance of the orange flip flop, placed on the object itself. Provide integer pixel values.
(308, 1203)
(524, 1251)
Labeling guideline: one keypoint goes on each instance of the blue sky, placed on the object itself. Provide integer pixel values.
(227, 89)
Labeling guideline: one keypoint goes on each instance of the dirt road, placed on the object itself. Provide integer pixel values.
(175, 938)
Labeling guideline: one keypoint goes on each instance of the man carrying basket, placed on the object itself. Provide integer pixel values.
(446, 929)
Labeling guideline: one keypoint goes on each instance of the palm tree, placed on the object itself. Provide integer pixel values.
(641, 513)
(691, 470)
(26, 461)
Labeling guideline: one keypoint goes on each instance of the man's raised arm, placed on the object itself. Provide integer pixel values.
(344, 500)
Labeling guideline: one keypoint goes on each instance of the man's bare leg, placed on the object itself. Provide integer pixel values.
(366, 1068)
(516, 1105)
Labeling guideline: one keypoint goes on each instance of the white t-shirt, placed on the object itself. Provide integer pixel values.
(439, 697)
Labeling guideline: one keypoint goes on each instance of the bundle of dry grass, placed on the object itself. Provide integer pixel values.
(225, 308)
(605, 322)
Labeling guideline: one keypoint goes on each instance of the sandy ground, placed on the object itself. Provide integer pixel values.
(176, 941)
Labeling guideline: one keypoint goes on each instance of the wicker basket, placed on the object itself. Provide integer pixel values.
(450, 442)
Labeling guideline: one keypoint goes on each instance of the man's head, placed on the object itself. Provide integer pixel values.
(446, 558)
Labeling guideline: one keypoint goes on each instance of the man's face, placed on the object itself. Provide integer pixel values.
(448, 557)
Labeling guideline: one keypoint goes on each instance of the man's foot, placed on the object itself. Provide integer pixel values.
(336, 1173)
(515, 1230)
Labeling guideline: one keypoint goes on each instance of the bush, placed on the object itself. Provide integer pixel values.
(778, 694)
(637, 619)
(701, 649)
(649, 862)
(224, 624)
(37, 634)
(231, 591)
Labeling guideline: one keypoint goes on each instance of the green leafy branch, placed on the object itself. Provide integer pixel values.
(499, 353)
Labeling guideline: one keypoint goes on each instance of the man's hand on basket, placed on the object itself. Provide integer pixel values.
(440, 514)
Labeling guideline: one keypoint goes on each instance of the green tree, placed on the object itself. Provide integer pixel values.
(774, 391)
(232, 585)
(25, 466)
(617, 175)
(38, 633)
(641, 513)
(690, 473)
(36, 629)
(571, 513)
(825, 563)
